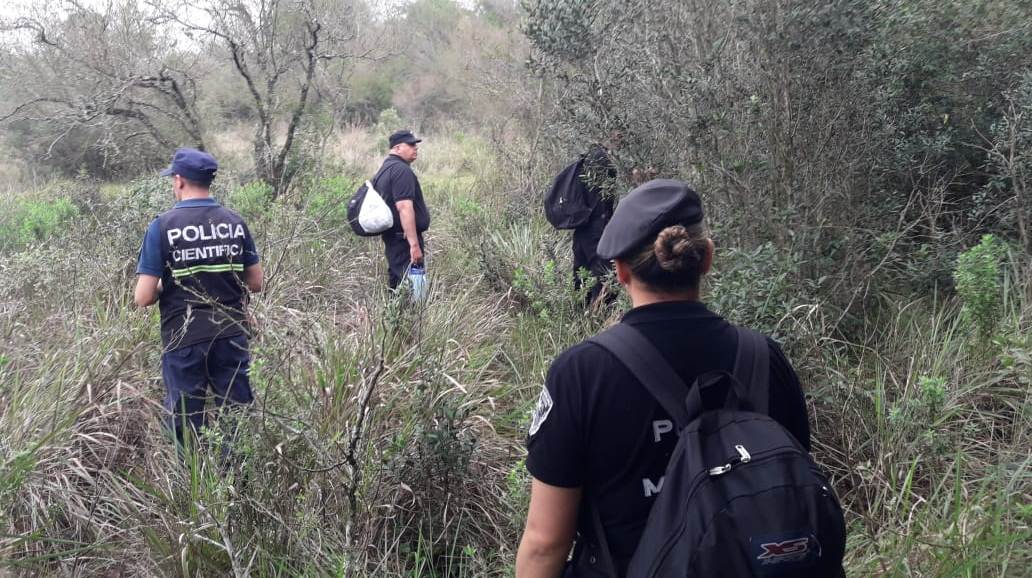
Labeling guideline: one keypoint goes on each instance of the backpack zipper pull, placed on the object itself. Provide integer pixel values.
(743, 458)
(743, 454)
(720, 470)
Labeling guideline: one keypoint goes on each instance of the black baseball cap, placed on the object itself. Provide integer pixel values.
(644, 212)
(194, 165)
(403, 136)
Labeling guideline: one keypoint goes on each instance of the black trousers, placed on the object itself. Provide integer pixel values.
(585, 245)
(396, 248)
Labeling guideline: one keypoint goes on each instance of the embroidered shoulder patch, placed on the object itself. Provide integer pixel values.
(544, 406)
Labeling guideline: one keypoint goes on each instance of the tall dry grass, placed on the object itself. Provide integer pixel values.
(386, 439)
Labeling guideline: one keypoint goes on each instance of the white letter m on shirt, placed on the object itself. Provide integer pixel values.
(650, 488)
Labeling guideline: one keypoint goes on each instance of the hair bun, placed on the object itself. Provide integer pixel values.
(676, 249)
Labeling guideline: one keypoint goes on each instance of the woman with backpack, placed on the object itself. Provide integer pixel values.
(601, 437)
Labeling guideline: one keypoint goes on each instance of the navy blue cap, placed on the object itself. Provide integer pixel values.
(402, 136)
(194, 165)
(644, 212)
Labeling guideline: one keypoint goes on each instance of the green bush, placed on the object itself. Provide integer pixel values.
(388, 122)
(977, 276)
(328, 198)
(40, 220)
(251, 200)
(32, 220)
(146, 197)
(756, 287)
(547, 291)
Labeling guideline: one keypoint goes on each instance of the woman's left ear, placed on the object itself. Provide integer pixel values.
(623, 272)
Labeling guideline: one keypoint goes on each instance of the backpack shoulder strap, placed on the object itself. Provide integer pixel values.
(752, 368)
(383, 168)
(646, 363)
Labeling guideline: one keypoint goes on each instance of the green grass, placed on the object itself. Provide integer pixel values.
(387, 438)
(29, 219)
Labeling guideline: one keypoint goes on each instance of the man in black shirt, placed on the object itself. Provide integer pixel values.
(597, 438)
(399, 187)
(599, 177)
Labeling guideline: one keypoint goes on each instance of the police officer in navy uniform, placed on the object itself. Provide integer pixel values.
(598, 440)
(399, 187)
(198, 262)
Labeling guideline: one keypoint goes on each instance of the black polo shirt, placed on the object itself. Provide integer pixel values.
(598, 428)
(397, 182)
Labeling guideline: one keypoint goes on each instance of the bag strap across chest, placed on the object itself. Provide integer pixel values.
(383, 168)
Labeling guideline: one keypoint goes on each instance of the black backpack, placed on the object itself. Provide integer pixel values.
(358, 202)
(568, 204)
(740, 496)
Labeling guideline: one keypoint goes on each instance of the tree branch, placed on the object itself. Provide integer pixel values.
(313, 28)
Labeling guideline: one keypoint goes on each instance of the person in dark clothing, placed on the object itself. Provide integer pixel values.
(399, 187)
(597, 438)
(599, 176)
(198, 261)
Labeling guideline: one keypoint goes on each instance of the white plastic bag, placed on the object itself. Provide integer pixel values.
(374, 216)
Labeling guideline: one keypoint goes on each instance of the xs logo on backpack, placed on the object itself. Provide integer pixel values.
(794, 550)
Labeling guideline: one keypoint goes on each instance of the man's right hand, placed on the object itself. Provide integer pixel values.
(415, 254)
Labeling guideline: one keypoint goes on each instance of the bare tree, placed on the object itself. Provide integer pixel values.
(277, 48)
(100, 72)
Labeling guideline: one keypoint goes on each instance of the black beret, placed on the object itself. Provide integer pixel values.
(645, 211)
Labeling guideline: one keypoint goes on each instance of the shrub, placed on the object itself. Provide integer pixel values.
(977, 276)
(755, 287)
(146, 197)
(251, 200)
(546, 291)
(40, 220)
(328, 198)
(32, 220)
(551, 295)
(388, 122)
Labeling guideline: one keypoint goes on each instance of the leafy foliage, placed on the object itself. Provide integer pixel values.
(31, 220)
(756, 287)
(327, 198)
(853, 137)
(978, 277)
(251, 200)
(562, 29)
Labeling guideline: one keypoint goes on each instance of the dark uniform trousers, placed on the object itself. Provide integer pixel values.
(585, 245)
(223, 364)
(399, 258)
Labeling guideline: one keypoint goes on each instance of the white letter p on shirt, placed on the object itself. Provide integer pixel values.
(660, 427)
